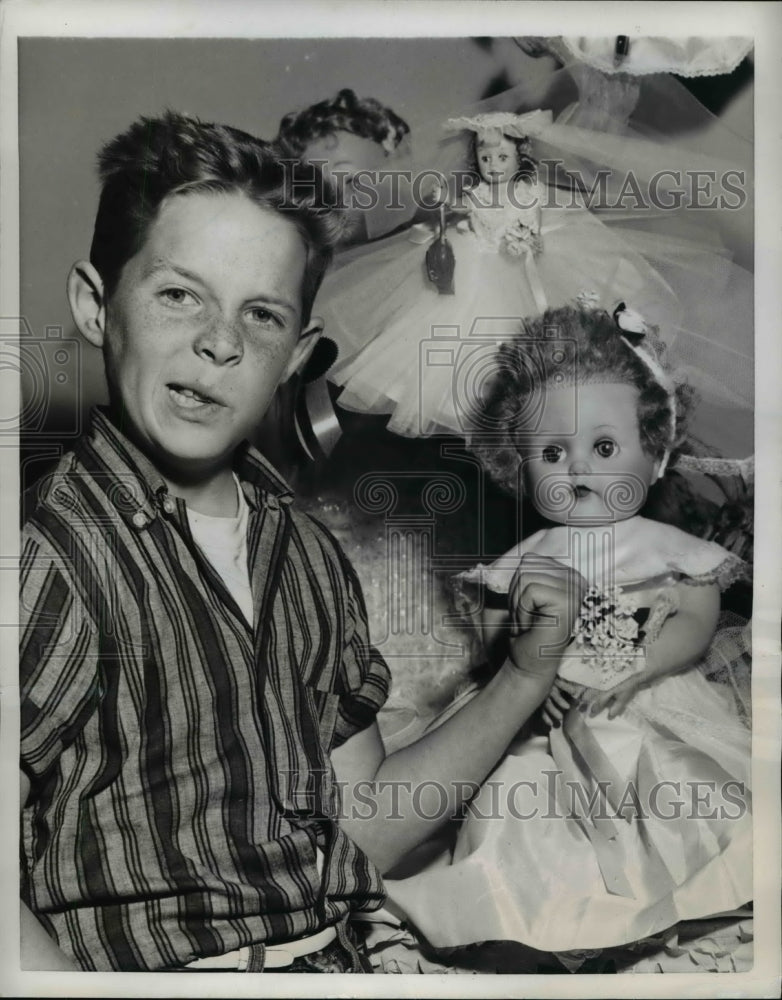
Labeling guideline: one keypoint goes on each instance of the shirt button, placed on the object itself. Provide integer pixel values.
(169, 506)
(140, 519)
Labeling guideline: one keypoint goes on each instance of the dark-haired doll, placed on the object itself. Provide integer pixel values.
(632, 813)
(349, 139)
(354, 139)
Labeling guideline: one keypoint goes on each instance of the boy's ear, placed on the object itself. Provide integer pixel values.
(87, 299)
(308, 338)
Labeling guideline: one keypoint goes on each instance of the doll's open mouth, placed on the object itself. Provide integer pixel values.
(581, 491)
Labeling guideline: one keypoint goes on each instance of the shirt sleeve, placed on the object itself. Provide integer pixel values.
(57, 658)
(366, 679)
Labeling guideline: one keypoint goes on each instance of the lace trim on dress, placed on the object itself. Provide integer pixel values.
(730, 571)
(714, 466)
(664, 607)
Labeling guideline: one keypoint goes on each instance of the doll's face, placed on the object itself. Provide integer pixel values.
(342, 155)
(586, 463)
(361, 170)
(497, 161)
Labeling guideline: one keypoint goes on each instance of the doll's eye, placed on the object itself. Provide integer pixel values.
(552, 453)
(606, 448)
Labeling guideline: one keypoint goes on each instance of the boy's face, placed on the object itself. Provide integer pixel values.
(203, 325)
(586, 462)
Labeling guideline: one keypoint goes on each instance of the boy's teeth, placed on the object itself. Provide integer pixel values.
(189, 394)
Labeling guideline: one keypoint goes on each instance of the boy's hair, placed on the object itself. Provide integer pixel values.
(570, 346)
(157, 158)
(364, 117)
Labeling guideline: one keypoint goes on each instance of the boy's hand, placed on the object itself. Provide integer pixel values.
(544, 601)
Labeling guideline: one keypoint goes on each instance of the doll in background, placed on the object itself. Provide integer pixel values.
(633, 812)
(496, 279)
(351, 138)
(407, 351)
(343, 138)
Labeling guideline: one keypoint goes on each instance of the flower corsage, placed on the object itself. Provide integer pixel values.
(520, 239)
(608, 636)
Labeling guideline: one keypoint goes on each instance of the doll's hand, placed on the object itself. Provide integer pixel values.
(617, 698)
(560, 700)
(434, 192)
(544, 601)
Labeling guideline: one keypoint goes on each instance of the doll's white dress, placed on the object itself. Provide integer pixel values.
(532, 863)
(425, 358)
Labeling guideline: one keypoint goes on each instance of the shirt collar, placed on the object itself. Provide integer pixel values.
(137, 489)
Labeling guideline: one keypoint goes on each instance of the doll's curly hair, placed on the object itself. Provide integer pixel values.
(364, 117)
(569, 346)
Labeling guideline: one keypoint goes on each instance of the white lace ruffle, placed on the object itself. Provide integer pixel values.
(690, 56)
(730, 571)
(713, 466)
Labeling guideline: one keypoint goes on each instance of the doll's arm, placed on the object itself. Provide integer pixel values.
(523, 233)
(683, 638)
(536, 192)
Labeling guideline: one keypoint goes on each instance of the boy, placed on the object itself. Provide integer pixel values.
(196, 672)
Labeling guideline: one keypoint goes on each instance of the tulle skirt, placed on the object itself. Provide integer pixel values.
(425, 358)
(670, 840)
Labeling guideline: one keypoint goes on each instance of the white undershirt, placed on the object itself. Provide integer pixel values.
(223, 540)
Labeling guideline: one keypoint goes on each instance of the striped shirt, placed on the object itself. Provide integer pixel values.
(179, 759)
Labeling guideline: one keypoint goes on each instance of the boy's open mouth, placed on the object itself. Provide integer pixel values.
(187, 396)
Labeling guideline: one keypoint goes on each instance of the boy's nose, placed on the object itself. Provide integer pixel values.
(220, 344)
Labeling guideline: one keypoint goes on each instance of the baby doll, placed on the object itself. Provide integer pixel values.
(633, 812)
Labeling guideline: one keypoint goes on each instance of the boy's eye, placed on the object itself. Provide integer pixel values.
(552, 453)
(605, 448)
(264, 317)
(176, 296)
